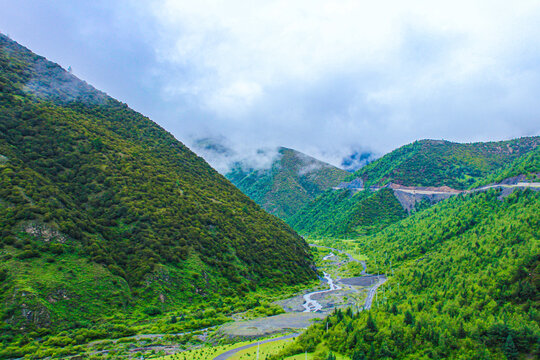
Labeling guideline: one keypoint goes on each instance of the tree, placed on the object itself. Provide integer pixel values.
(370, 324)
(409, 319)
(358, 355)
(510, 349)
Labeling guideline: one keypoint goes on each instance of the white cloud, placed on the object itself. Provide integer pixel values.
(332, 75)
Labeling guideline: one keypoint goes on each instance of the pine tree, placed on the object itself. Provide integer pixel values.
(409, 319)
(370, 324)
(358, 355)
(510, 349)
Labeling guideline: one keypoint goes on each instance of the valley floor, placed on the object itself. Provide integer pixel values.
(346, 283)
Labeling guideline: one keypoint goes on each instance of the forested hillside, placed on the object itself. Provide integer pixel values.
(340, 213)
(346, 213)
(293, 180)
(443, 163)
(101, 210)
(464, 284)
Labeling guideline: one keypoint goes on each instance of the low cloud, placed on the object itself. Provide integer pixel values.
(327, 78)
(332, 79)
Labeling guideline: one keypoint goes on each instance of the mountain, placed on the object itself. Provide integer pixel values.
(102, 213)
(444, 163)
(463, 282)
(412, 177)
(344, 212)
(293, 180)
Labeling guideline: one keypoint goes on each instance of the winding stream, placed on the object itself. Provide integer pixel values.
(311, 305)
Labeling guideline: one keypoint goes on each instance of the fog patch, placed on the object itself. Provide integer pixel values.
(309, 164)
(50, 81)
(224, 156)
(357, 160)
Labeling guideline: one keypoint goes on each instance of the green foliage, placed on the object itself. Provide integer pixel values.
(465, 284)
(293, 180)
(341, 213)
(152, 311)
(443, 163)
(120, 209)
(527, 166)
(510, 349)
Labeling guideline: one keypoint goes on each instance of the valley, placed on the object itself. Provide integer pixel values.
(117, 241)
(333, 296)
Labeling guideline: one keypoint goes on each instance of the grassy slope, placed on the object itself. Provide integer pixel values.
(528, 165)
(293, 180)
(97, 202)
(439, 163)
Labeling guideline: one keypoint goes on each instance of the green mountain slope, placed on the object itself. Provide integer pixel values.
(102, 211)
(293, 180)
(443, 163)
(527, 167)
(341, 213)
(465, 285)
(423, 163)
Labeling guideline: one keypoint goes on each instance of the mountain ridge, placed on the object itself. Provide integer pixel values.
(292, 180)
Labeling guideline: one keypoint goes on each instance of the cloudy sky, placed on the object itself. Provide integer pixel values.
(324, 77)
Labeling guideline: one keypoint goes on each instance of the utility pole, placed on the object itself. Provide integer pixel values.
(258, 350)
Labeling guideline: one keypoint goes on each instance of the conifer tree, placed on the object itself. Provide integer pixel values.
(510, 349)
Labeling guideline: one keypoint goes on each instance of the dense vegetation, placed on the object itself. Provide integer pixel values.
(443, 163)
(339, 213)
(343, 213)
(466, 285)
(102, 211)
(293, 180)
(526, 167)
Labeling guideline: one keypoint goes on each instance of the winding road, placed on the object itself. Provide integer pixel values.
(371, 293)
(229, 353)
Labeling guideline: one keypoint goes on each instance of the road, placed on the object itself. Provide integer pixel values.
(424, 191)
(371, 293)
(229, 353)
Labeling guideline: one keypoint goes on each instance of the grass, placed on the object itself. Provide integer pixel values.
(311, 356)
(205, 353)
(210, 352)
(264, 350)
